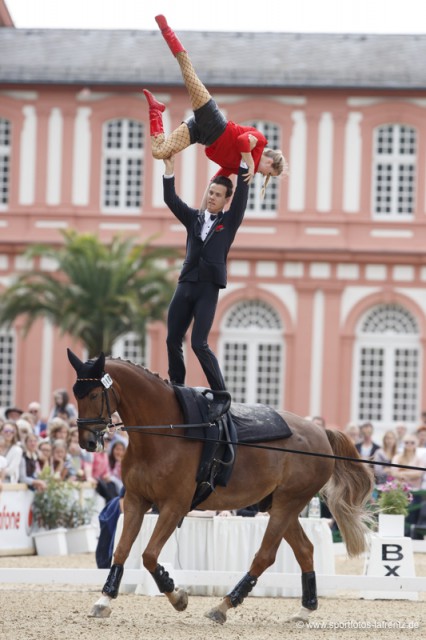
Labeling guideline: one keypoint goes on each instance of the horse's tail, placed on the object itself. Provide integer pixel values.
(347, 493)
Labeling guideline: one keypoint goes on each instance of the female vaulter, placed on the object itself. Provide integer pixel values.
(226, 142)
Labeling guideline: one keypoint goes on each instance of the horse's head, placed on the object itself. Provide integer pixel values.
(91, 391)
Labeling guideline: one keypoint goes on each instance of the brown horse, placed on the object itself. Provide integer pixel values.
(162, 470)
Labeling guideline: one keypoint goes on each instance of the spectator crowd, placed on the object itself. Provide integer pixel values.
(397, 446)
(29, 443)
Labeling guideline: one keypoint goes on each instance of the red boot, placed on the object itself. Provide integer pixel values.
(169, 35)
(152, 102)
(155, 110)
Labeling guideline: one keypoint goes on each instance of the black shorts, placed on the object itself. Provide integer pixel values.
(207, 124)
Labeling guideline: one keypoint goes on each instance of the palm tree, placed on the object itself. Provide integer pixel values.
(98, 292)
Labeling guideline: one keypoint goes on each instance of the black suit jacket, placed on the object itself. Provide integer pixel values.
(206, 260)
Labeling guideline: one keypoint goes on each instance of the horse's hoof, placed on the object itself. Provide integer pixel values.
(100, 611)
(181, 601)
(302, 616)
(216, 615)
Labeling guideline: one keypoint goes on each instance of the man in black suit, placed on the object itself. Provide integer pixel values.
(210, 234)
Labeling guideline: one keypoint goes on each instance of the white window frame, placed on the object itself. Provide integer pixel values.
(253, 337)
(118, 349)
(390, 342)
(5, 152)
(394, 159)
(9, 399)
(123, 153)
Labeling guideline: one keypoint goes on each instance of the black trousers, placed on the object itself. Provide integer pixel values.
(195, 301)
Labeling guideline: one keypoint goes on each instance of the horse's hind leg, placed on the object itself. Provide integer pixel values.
(134, 511)
(263, 559)
(304, 553)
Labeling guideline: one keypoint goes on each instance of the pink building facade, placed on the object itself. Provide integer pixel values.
(325, 310)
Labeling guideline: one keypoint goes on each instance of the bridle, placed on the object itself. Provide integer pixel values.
(89, 424)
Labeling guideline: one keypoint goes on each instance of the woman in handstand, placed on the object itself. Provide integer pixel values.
(226, 142)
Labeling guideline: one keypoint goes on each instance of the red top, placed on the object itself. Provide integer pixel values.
(226, 150)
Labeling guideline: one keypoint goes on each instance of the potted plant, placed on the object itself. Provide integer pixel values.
(49, 510)
(81, 534)
(393, 502)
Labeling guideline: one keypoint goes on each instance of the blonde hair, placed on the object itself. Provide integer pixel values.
(406, 457)
(279, 164)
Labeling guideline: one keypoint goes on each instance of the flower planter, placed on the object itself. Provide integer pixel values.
(51, 542)
(82, 539)
(391, 526)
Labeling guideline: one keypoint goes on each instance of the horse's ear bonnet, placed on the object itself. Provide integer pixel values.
(89, 373)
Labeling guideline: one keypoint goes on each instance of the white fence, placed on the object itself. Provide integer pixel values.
(208, 578)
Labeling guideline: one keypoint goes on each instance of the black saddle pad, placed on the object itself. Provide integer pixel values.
(258, 423)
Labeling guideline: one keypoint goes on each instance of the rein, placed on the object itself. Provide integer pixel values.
(106, 382)
(259, 446)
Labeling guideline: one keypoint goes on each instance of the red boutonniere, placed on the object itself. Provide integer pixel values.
(219, 227)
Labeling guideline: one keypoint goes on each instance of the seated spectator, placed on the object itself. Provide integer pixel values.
(116, 432)
(3, 460)
(12, 450)
(386, 453)
(101, 472)
(421, 436)
(81, 459)
(13, 413)
(116, 453)
(29, 469)
(44, 452)
(410, 457)
(400, 431)
(57, 429)
(353, 432)
(60, 463)
(40, 425)
(24, 429)
(62, 406)
(29, 418)
(366, 447)
(413, 478)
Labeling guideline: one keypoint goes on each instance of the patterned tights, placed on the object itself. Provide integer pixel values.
(163, 147)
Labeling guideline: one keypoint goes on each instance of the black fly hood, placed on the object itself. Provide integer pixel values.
(90, 374)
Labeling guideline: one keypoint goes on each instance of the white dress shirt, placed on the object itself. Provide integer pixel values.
(208, 223)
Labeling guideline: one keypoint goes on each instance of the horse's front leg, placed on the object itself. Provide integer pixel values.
(166, 524)
(134, 511)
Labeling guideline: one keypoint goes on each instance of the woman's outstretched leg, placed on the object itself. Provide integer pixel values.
(197, 91)
(163, 147)
(187, 133)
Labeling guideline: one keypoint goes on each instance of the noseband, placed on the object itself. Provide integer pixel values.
(89, 424)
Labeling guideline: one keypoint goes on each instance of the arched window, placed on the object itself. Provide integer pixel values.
(394, 172)
(269, 205)
(130, 347)
(7, 367)
(5, 145)
(122, 166)
(252, 353)
(387, 366)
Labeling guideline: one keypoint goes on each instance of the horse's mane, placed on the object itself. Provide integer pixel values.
(138, 366)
